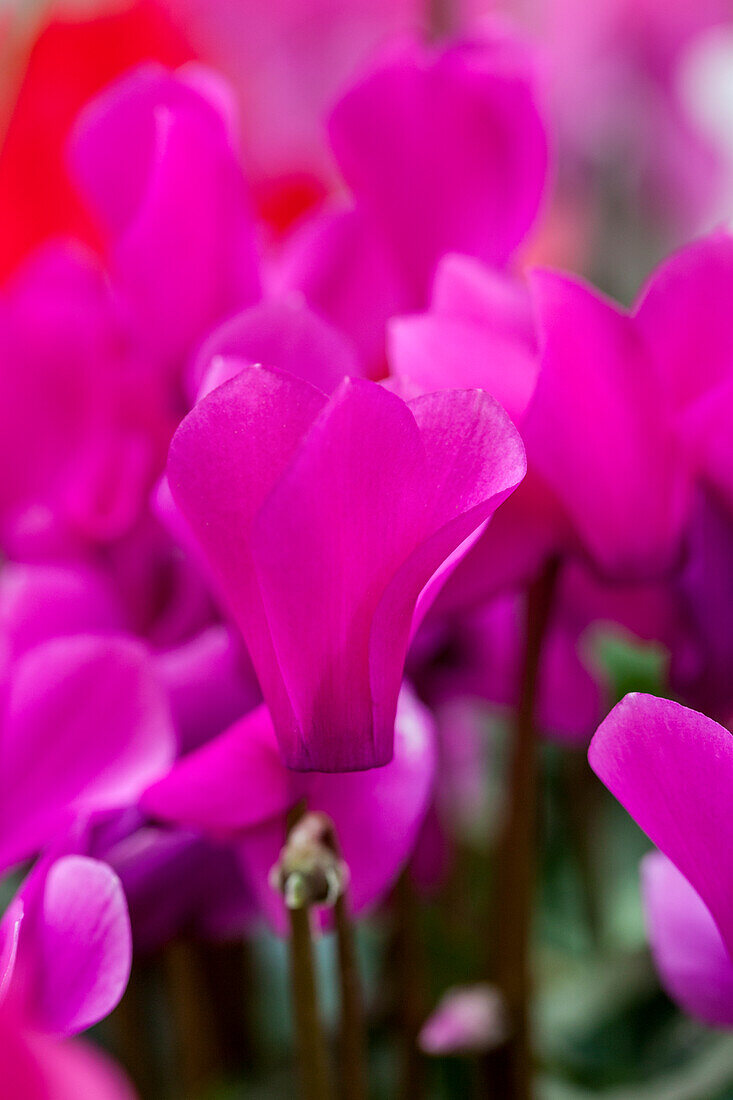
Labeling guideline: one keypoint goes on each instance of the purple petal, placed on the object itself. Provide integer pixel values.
(694, 966)
(40, 602)
(672, 769)
(210, 683)
(327, 542)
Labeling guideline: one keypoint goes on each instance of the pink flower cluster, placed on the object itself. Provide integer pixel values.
(270, 510)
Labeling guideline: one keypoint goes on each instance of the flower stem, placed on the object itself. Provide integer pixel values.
(509, 1067)
(410, 966)
(353, 1032)
(311, 1044)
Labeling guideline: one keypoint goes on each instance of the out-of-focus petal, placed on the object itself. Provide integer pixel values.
(75, 947)
(231, 784)
(284, 334)
(87, 728)
(672, 769)
(598, 430)
(693, 963)
(462, 123)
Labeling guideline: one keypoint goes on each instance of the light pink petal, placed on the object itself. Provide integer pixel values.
(599, 432)
(236, 781)
(467, 289)
(77, 1069)
(435, 352)
(87, 728)
(75, 948)
(462, 123)
(672, 769)
(693, 964)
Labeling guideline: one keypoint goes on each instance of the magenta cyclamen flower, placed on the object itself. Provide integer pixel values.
(329, 524)
(672, 769)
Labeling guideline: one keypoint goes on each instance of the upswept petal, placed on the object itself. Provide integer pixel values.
(224, 459)
(672, 769)
(694, 966)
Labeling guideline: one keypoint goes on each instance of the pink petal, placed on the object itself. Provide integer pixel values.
(602, 437)
(224, 459)
(327, 542)
(343, 268)
(694, 966)
(284, 334)
(157, 161)
(76, 949)
(684, 316)
(672, 769)
(235, 782)
(87, 727)
(462, 123)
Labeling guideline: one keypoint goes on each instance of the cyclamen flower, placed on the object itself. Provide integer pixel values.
(329, 524)
(672, 769)
(237, 788)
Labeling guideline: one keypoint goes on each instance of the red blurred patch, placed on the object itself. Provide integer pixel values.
(68, 63)
(281, 200)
